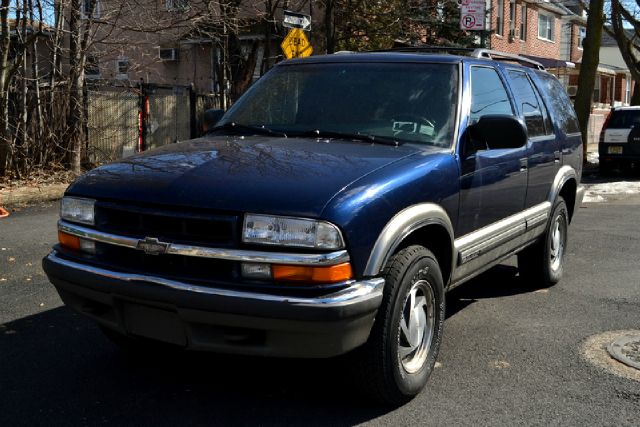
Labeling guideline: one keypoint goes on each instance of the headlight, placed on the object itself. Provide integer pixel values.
(287, 231)
(78, 210)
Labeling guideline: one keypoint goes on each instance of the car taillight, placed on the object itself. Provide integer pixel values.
(604, 126)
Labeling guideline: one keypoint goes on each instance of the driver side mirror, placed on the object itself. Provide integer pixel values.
(496, 131)
(211, 117)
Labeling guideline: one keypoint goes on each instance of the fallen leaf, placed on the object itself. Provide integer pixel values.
(28, 264)
(501, 364)
(438, 365)
(12, 259)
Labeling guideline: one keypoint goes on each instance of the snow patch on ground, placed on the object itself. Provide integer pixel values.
(599, 192)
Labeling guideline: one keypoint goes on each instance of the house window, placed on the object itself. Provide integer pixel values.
(500, 17)
(627, 95)
(512, 18)
(122, 69)
(92, 67)
(546, 25)
(523, 22)
(90, 9)
(173, 5)
(581, 35)
(596, 90)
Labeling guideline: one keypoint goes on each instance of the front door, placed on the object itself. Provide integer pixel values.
(493, 182)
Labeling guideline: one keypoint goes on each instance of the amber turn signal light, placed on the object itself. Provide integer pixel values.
(68, 241)
(297, 273)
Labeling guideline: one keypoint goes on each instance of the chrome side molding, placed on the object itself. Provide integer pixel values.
(330, 258)
(486, 239)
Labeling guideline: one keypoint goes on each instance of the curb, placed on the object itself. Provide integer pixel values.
(20, 196)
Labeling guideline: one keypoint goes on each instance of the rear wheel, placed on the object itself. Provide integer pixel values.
(402, 348)
(542, 263)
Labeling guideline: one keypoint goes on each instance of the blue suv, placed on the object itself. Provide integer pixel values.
(329, 211)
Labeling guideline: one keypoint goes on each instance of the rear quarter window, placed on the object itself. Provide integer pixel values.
(624, 119)
(558, 101)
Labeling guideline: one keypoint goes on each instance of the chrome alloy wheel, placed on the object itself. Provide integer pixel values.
(417, 326)
(558, 240)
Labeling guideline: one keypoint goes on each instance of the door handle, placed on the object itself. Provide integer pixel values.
(524, 164)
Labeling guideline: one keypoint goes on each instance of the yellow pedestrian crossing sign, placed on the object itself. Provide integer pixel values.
(296, 44)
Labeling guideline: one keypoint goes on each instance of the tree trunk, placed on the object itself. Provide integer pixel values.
(75, 115)
(635, 98)
(588, 68)
(329, 26)
(5, 41)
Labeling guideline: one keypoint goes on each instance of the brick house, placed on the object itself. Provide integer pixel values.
(173, 42)
(525, 27)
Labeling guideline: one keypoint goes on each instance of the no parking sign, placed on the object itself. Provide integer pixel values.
(472, 13)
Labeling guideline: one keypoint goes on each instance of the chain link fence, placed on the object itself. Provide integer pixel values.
(123, 121)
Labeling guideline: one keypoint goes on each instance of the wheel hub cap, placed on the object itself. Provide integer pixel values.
(416, 326)
(557, 243)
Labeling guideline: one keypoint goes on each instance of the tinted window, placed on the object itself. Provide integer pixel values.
(624, 119)
(559, 103)
(413, 103)
(527, 102)
(488, 95)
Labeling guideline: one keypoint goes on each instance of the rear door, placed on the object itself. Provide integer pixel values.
(543, 147)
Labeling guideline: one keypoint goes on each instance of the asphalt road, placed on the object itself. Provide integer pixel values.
(510, 356)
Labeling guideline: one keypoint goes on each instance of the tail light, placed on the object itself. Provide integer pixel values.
(604, 125)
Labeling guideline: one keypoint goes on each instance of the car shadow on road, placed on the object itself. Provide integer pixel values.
(499, 281)
(56, 368)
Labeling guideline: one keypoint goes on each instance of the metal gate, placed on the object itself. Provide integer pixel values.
(124, 121)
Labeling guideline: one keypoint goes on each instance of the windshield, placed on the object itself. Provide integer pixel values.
(407, 103)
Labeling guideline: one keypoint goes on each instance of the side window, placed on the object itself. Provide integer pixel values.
(557, 99)
(488, 95)
(534, 113)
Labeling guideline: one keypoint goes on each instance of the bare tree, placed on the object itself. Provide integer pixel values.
(588, 67)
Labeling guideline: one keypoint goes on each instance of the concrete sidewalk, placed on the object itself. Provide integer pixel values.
(26, 195)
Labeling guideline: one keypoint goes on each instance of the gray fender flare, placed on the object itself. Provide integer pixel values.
(564, 174)
(400, 226)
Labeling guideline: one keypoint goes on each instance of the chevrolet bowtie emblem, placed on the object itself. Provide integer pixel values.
(152, 246)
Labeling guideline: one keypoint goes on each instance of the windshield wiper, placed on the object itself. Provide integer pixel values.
(352, 136)
(262, 130)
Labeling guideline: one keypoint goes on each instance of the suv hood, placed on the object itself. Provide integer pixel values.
(286, 176)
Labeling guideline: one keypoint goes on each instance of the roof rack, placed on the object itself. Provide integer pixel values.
(497, 55)
(469, 51)
(427, 49)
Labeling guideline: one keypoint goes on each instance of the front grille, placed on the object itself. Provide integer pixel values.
(176, 267)
(179, 226)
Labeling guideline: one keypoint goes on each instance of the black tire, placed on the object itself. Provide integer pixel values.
(605, 169)
(542, 263)
(387, 376)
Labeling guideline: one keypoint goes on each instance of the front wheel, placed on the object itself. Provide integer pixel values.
(404, 341)
(542, 263)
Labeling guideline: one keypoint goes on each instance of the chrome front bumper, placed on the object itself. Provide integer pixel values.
(219, 319)
(356, 291)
